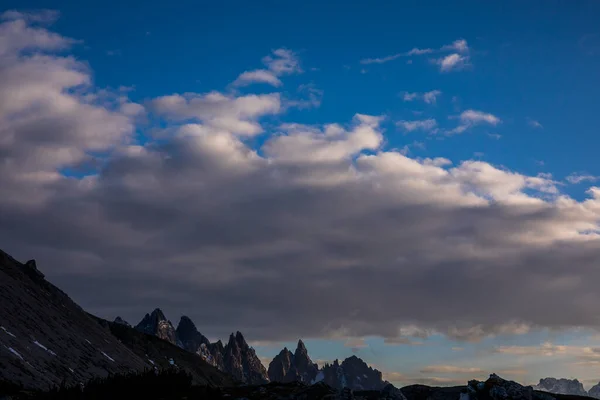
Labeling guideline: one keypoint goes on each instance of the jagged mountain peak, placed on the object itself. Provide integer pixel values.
(186, 324)
(301, 346)
(121, 321)
(158, 314)
(561, 386)
(157, 324)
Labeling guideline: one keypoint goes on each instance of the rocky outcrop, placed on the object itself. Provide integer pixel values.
(496, 388)
(291, 367)
(353, 373)
(158, 325)
(241, 361)
(121, 321)
(594, 391)
(189, 337)
(281, 366)
(561, 386)
(47, 340)
(306, 370)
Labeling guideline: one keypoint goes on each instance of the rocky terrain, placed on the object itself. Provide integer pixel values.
(236, 358)
(294, 367)
(46, 339)
(561, 386)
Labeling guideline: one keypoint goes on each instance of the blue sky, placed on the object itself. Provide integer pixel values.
(509, 87)
(533, 61)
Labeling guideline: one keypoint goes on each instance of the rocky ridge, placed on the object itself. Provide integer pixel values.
(46, 339)
(561, 386)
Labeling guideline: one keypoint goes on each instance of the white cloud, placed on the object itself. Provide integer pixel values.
(470, 118)
(428, 97)
(452, 62)
(257, 76)
(534, 124)
(460, 46)
(427, 125)
(236, 114)
(38, 16)
(475, 117)
(577, 178)
(281, 62)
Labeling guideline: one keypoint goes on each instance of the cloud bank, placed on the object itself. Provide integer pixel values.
(319, 231)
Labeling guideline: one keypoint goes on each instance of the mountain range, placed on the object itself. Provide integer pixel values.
(47, 340)
(240, 361)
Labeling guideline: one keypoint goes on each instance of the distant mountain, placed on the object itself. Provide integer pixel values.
(158, 325)
(594, 391)
(195, 342)
(121, 321)
(561, 386)
(293, 367)
(46, 339)
(235, 358)
(241, 361)
(353, 373)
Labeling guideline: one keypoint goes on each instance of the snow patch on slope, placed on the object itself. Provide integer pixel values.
(107, 356)
(38, 344)
(7, 332)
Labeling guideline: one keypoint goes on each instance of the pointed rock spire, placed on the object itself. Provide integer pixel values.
(121, 321)
(241, 361)
(157, 324)
(188, 335)
(288, 367)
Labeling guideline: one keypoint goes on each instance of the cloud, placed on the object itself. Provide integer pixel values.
(450, 369)
(238, 115)
(452, 62)
(577, 178)
(309, 231)
(470, 118)
(428, 97)
(281, 62)
(548, 349)
(257, 76)
(37, 16)
(356, 343)
(427, 125)
(460, 46)
(312, 97)
(534, 124)
(496, 136)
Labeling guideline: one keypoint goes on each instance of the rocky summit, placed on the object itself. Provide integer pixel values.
(594, 391)
(47, 340)
(352, 373)
(290, 367)
(158, 325)
(561, 386)
(241, 361)
(188, 335)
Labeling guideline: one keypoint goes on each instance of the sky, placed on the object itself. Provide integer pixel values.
(415, 183)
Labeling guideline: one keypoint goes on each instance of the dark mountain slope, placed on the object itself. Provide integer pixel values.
(47, 339)
(163, 354)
